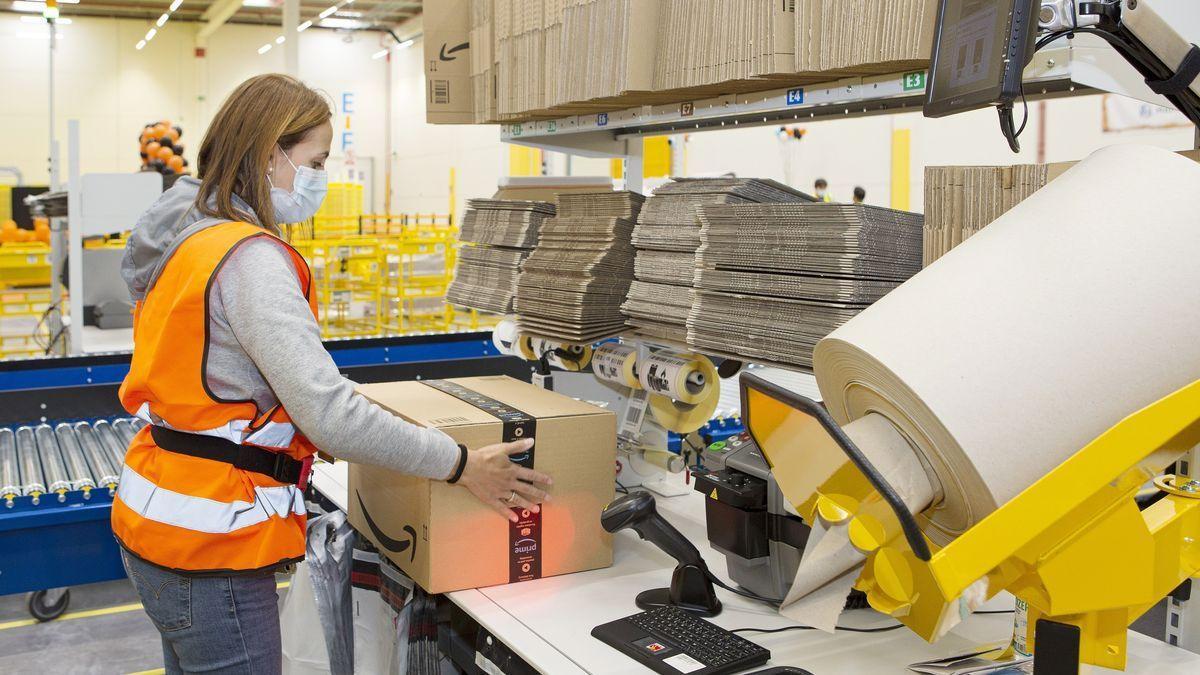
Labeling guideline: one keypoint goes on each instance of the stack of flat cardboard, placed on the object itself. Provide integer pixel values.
(773, 279)
(572, 286)
(961, 200)
(730, 42)
(863, 36)
(666, 238)
(540, 59)
(504, 233)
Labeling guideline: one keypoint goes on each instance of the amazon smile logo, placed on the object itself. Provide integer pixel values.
(390, 543)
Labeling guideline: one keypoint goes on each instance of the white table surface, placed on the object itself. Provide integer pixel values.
(548, 621)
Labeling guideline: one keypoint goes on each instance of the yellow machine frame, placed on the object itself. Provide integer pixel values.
(1074, 546)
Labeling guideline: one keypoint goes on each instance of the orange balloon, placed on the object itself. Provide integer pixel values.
(176, 163)
(42, 236)
(24, 235)
(172, 134)
(8, 225)
(165, 153)
(152, 149)
(160, 130)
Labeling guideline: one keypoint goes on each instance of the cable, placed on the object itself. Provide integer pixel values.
(994, 611)
(744, 593)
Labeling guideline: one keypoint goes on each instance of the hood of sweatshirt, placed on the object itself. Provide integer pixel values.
(159, 231)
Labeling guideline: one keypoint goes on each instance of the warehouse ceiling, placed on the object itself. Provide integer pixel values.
(358, 13)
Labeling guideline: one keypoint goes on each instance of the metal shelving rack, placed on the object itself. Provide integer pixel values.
(1084, 66)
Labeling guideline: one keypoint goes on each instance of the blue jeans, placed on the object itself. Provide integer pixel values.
(219, 624)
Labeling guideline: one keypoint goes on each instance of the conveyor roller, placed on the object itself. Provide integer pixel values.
(53, 467)
(100, 459)
(77, 466)
(10, 468)
(32, 483)
(125, 431)
(111, 442)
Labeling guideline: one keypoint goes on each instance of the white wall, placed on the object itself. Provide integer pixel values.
(113, 89)
(425, 153)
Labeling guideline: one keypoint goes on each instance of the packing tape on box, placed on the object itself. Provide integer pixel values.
(1033, 337)
(524, 535)
(616, 363)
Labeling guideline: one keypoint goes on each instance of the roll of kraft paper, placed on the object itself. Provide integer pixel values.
(1033, 337)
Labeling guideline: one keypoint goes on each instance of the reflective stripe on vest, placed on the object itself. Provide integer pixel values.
(188, 513)
(206, 515)
(269, 435)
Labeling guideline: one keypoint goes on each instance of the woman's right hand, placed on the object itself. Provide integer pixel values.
(496, 481)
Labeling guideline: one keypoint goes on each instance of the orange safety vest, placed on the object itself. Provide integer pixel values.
(189, 513)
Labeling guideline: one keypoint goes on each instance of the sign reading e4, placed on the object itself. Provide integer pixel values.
(795, 96)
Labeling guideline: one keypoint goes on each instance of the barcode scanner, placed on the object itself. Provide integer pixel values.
(690, 588)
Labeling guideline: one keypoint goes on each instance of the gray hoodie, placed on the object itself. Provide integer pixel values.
(265, 345)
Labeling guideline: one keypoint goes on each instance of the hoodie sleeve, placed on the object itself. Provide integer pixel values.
(267, 312)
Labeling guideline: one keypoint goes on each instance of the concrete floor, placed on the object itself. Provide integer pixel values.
(121, 641)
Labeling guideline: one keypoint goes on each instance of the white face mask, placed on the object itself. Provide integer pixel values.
(308, 191)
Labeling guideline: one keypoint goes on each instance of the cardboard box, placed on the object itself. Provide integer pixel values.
(447, 540)
(449, 93)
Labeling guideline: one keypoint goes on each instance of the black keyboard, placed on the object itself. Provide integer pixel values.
(672, 641)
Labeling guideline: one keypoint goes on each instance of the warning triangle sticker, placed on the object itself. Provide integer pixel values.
(714, 493)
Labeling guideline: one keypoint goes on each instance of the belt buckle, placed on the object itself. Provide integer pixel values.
(305, 472)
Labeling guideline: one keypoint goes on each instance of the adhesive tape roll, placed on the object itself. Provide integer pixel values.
(687, 378)
(616, 363)
(683, 417)
(505, 336)
(663, 459)
(578, 356)
(525, 347)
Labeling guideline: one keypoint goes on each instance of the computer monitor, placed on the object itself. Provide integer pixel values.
(980, 49)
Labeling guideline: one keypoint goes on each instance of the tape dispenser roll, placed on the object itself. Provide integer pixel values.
(571, 357)
(616, 363)
(684, 390)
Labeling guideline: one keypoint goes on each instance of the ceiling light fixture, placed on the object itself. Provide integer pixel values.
(304, 26)
(279, 40)
(379, 54)
(265, 48)
(406, 44)
(141, 44)
(325, 13)
(175, 5)
(151, 33)
(162, 19)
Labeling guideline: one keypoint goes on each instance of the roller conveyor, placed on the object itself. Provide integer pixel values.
(10, 467)
(98, 458)
(53, 467)
(125, 432)
(32, 483)
(77, 465)
(110, 441)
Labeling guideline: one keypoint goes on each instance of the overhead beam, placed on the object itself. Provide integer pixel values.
(215, 16)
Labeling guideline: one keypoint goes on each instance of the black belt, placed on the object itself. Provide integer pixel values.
(277, 465)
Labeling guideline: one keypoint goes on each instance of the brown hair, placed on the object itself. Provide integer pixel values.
(263, 111)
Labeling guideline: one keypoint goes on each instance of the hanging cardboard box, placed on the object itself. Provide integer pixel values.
(441, 535)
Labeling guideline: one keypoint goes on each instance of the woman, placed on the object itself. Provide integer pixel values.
(229, 371)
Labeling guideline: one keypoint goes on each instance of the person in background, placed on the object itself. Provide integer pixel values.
(238, 392)
(859, 194)
(821, 190)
